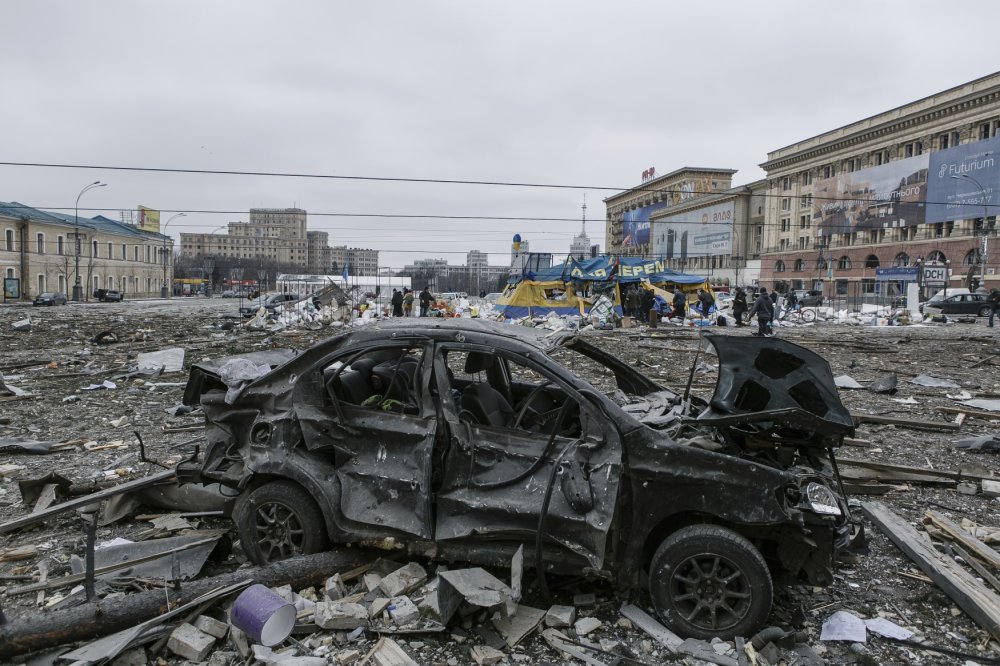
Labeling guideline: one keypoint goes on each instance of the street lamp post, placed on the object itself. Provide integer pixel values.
(77, 286)
(164, 292)
(983, 230)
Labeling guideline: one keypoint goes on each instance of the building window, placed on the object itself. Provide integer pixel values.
(807, 177)
(95, 253)
(821, 264)
(871, 261)
(60, 244)
(786, 224)
(828, 171)
(41, 284)
(803, 242)
(62, 283)
(943, 141)
(804, 222)
(881, 157)
(111, 282)
(868, 286)
(851, 165)
(937, 255)
(40, 239)
(9, 240)
(806, 202)
(984, 131)
(902, 259)
(786, 183)
(148, 254)
(972, 258)
(124, 255)
(111, 252)
(135, 253)
(800, 265)
(779, 266)
(913, 149)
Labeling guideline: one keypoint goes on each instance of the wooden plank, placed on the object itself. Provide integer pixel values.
(979, 568)
(981, 603)
(973, 413)
(906, 422)
(903, 469)
(966, 540)
(77, 502)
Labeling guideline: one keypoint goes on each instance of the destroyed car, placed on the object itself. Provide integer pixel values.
(463, 440)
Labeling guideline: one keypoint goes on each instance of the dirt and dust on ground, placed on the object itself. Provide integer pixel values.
(76, 404)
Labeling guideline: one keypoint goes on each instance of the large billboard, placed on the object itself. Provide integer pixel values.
(635, 224)
(149, 219)
(963, 181)
(702, 232)
(882, 197)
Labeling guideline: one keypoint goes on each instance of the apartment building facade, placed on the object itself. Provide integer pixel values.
(910, 187)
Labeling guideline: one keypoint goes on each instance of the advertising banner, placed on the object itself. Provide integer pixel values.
(635, 224)
(882, 197)
(963, 181)
(901, 273)
(149, 219)
(702, 232)
(11, 288)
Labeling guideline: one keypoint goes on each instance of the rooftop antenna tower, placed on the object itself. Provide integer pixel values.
(583, 231)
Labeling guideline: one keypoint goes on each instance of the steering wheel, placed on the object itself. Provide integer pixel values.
(535, 392)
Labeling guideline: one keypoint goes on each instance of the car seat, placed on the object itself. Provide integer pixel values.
(481, 403)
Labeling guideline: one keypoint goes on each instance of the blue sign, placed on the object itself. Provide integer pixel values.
(963, 182)
(901, 273)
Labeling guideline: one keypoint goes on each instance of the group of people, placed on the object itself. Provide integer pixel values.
(402, 302)
(638, 302)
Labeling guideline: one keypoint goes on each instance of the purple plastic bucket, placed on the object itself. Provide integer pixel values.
(262, 615)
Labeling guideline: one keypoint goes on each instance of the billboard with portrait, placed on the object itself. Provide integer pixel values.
(702, 232)
(149, 219)
(635, 224)
(881, 197)
(963, 181)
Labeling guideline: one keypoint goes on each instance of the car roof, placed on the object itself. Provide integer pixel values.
(475, 331)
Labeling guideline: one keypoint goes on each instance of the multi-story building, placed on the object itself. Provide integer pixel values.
(910, 186)
(281, 236)
(41, 251)
(628, 213)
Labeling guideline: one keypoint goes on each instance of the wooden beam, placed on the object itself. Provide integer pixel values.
(981, 603)
(905, 422)
(964, 539)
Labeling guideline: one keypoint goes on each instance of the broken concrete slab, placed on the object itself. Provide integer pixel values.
(189, 642)
(403, 580)
(164, 360)
(560, 617)
(515, 628)
(339, 615)
(484, 655)
(403, 611)
(211, 626)
(335, 588)
(476, 586)
(587, 625)
(387, 652)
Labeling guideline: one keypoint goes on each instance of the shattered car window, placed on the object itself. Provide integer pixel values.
(383, 379)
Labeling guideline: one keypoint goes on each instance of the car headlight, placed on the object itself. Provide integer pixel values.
(822, 500)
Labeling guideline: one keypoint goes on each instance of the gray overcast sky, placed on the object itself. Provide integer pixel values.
(572, 92)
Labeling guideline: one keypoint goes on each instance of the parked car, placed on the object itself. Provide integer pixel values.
(229, 293)
(112, 296)
(270, 303)
(959, 304)
(809, 297)
(50, 298)
(465, 440)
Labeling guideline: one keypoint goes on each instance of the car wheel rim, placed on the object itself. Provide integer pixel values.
(710, 591)
(279, 531)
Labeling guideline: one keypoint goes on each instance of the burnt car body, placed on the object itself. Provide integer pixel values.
(464, 440)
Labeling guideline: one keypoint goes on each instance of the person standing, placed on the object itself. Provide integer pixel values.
(647, 301)
(397, 303)
(679, 303)
(706, 302)
(994, 302)
(739, 305)
(631, 303)
(763, 307)
(425, 301)
(407, 302)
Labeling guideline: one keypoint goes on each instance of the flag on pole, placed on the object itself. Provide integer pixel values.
(345, 274)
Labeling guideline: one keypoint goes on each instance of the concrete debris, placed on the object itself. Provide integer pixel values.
(189, 642)
(403, 580)
(587, 625)
(164, 360)
(340, 615)
(846, 382)
(560, 617)
(933, 382)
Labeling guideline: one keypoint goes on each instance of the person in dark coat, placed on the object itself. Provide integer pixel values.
(397, 303)
(425, 301)
(631, 303)
(763, 307)
(679, 303)
(646, 303)
(994, 301)
(706, 302)
(739, 305)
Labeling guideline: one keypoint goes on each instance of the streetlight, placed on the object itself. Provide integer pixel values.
(77, 287)
(983, 243)
(163, 232)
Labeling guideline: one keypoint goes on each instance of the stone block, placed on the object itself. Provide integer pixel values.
(559, 617)
(586, 625)
(211, 626)
(189, 642)
(340, 616)
(403, 580)
(403, 611)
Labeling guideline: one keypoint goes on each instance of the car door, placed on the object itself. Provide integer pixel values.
(554, 477)
(370, 409)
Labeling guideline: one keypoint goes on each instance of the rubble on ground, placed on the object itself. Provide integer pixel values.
(929, 461)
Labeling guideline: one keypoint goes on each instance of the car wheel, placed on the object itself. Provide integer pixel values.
(984, 312)
(709, 581)
(808, 315)
(278, 520)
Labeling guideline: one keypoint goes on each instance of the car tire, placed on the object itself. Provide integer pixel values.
(708, 581)
(278, 520)
(984, 312)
